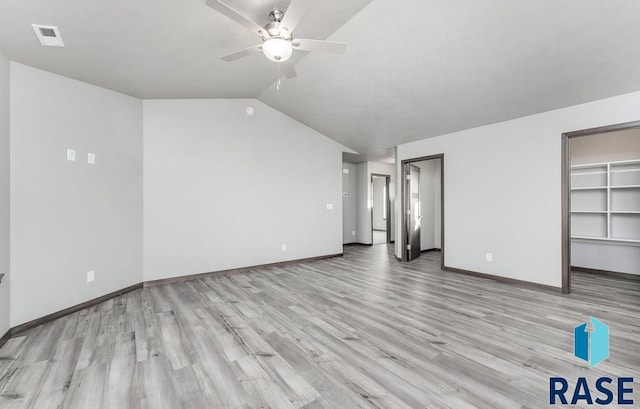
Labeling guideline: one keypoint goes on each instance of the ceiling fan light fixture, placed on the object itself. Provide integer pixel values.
(277, 49)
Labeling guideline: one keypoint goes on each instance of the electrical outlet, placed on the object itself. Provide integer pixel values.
(71, 155)
(91, 276)
(488, 256)
(284, 247)
(329, 206)
(353, 232)
(91, 158)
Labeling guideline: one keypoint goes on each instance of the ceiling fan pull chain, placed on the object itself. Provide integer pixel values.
(278, 83)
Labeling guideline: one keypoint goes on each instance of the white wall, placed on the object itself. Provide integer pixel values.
(503, 188)
(378, 196)
(225, 190)
(4, 195)
(71, 217)
(349, 203)
(608, 147)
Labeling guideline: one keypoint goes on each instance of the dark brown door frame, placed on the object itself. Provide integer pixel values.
(403, 224)
(387, 184)
(566, 194)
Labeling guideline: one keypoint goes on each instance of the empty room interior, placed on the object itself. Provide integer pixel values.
(319, 204)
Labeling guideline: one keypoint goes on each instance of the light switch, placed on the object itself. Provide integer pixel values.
(71, 155)
(91, 158)
(329, 206)
(346, 170)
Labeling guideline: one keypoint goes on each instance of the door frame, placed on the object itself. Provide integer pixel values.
(403, 209)
(388, 185)
(566, 193)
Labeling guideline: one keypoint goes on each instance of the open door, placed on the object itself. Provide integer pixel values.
(412, 201)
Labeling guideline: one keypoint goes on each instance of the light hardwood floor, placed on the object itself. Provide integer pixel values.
(361, 331)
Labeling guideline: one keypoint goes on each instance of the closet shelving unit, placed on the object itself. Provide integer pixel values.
(605, 201)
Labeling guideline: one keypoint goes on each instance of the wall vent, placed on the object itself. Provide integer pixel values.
(48, 35)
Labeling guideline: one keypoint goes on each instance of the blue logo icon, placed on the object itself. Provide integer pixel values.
(591, 345)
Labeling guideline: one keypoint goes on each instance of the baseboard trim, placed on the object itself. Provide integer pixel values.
(51, 317)
(433, 249)
(616, 274)
(506, 280)
(191, 277)
(357, 243)
(5, 338)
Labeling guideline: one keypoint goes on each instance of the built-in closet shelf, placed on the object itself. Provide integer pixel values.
(607, 211)
(604, 172)
(605, 239)
(590, 188)
(590, 211)
(624, 170)
(605, 201)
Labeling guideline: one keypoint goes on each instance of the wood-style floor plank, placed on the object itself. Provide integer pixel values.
(360, 331)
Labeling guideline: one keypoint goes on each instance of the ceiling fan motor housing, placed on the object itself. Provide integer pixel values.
(276, 16)
(276, 30)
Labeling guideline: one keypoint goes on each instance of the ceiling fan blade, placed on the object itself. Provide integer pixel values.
(319, 45)
(242, 53)
(237, 17)
(288, 70)
(295, 12)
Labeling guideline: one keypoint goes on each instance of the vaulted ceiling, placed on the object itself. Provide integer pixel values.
(413, 69)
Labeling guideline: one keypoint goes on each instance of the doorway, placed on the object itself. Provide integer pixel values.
(380, 209)
(422, 219)
(601, 202)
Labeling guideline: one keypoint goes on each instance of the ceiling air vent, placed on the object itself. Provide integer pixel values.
(48, 35)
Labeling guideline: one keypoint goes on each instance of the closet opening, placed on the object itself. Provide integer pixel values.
(601, 205)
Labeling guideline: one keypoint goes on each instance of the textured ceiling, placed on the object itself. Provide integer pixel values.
(421, 68)
(413, 69)
(157, 49)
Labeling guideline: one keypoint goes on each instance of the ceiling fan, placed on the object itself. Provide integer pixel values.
(278, 42)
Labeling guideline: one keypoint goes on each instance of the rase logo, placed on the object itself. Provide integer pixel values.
(592, 346)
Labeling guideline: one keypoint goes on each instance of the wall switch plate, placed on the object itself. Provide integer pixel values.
(329, 206)
(345, 170)
(91, 276)
(71, 155)
(489, 256)
(284, 247)
(91, 158)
